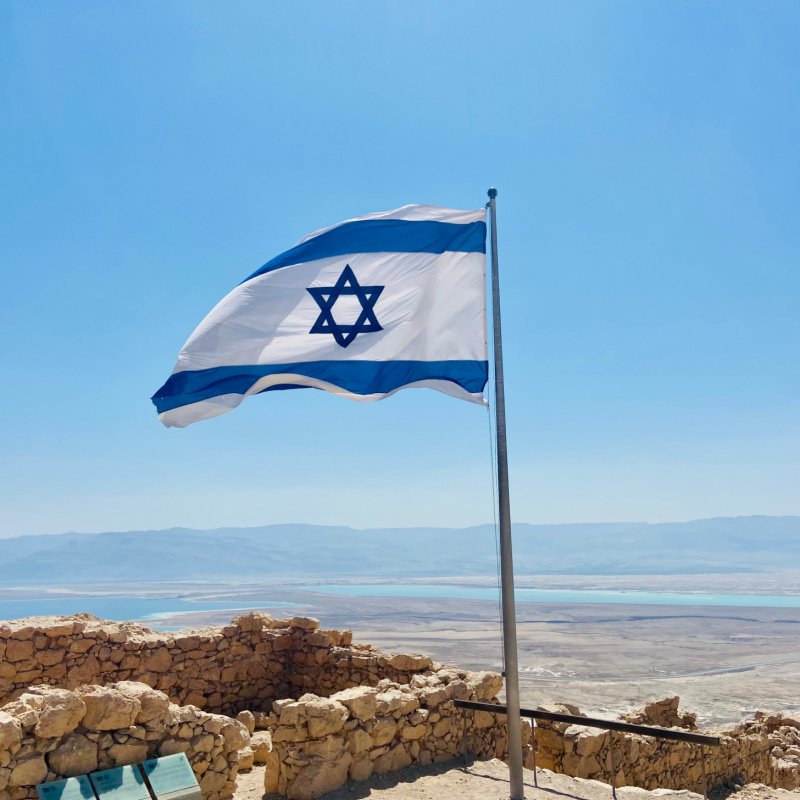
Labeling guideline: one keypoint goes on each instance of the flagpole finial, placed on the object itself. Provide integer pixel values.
(492, 193)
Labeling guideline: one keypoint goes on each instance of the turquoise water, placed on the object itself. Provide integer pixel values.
(614, 597)
(152, 609)
(124, 608)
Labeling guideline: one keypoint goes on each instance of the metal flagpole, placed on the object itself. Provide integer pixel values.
(506, 560)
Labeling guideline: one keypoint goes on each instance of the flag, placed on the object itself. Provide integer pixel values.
(386, 301)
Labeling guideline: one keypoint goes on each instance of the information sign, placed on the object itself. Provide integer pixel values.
(172, 778)
(68, 789)
(120, 783)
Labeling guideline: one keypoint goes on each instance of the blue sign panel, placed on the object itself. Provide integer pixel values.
(120, 783)
(170, 774)
(69, 789)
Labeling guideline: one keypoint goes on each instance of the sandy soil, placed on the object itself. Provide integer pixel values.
(479, 780)
(488, 780)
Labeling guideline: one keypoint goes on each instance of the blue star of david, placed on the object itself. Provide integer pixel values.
(327, 296)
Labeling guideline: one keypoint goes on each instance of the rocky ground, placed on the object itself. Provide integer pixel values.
(488, 780)
(757, 791)
(479, 780)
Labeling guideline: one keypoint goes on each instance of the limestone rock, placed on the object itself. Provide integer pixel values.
(21, 709)
(235, 735)
(76, 755)
(59, 711)
(458, 690)
(434, 696)
(384, 731)
(246, 759)
(396, 758)
(159, 661)
(253, 621)
(360, 741)
(396, 700)
(272, 773)
(483, 719)
(29, 772)
(288, 711)
(405, 662)
(304, 623)
(318, 639)
(56, 629)
(131, 752)
(211, 782)
(203, 743)
(320, 778)
(360, 700)
(290, 733)
(325, 716)
(263, 720)
(261, 742)
(248, 720)
(410, 732)
(18, 651)
(664, 714)
(108, 710)
(153, 704)
(10, 731)
(589, 742)
(170, 747)
(327, 749)
(486, 685)
(361, 768)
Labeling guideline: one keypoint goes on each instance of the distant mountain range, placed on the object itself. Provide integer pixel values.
(738, 544)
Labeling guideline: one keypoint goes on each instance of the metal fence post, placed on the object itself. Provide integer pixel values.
(705, 777)
(613, 765)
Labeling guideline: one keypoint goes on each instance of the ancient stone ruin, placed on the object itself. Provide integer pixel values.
(764, 750)
(79, 694)
(49, 733)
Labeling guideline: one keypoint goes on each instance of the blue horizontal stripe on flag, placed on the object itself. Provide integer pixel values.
(357, 377)
(384, 236)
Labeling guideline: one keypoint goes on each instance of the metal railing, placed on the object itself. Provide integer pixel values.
(669, 734)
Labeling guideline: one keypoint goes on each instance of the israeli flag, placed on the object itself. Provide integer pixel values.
(387, 301)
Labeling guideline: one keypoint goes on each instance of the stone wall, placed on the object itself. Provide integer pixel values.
(324, 665)
(244, 665)
(319, 743)
(764, 750)
(359, 709)
(335, 730)
(49, 733)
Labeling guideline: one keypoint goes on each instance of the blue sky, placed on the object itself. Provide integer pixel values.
(646, 154)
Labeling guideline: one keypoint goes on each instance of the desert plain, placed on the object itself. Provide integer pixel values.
(724, 662)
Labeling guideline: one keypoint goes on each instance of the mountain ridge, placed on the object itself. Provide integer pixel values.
(755, 543)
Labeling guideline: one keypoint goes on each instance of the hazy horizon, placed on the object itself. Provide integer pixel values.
(395, 527)
(758, 544)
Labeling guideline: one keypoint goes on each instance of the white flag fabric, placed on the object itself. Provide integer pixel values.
(377, 303)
